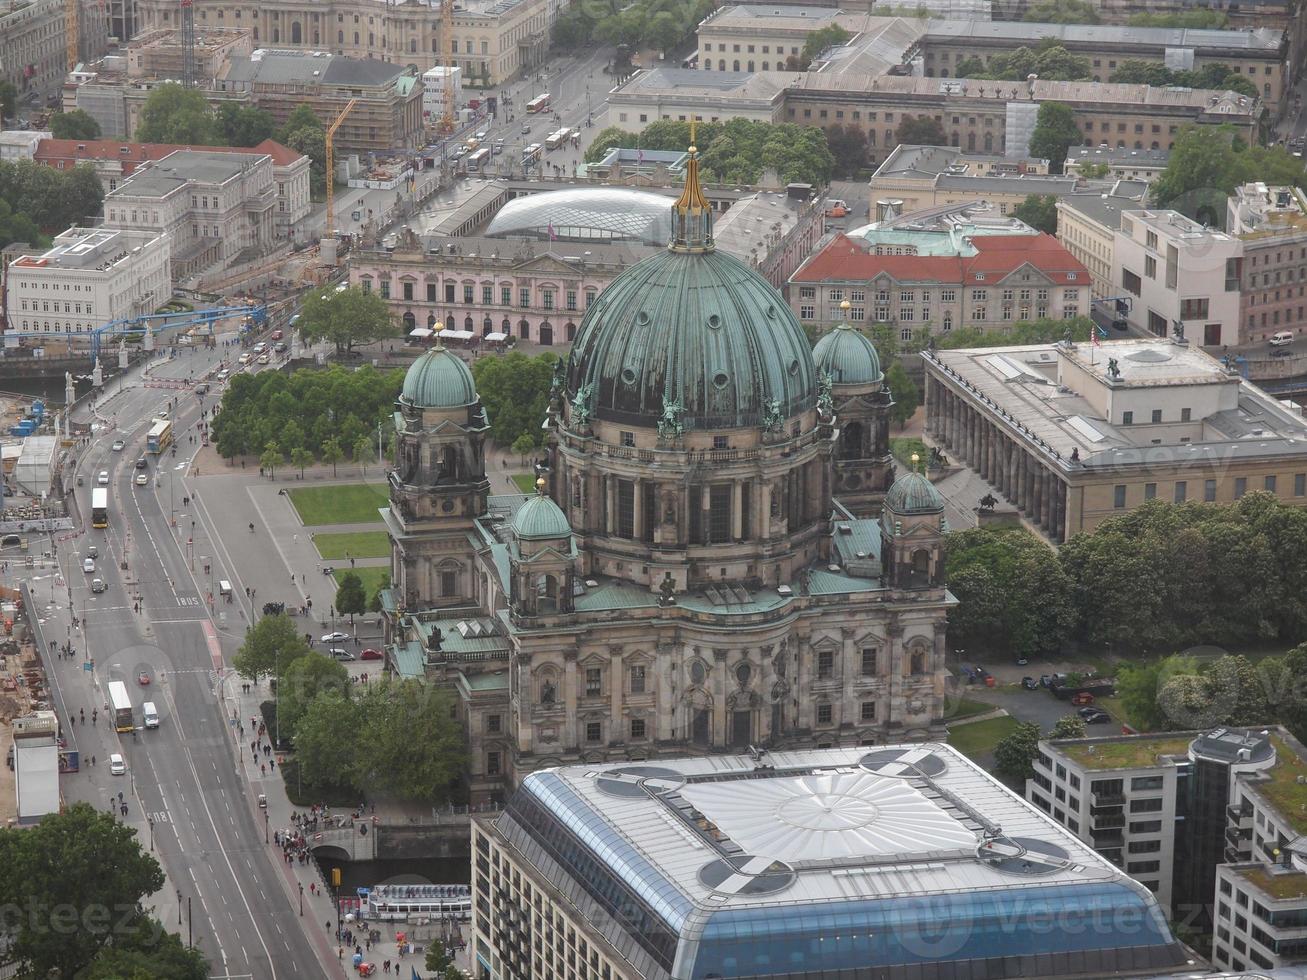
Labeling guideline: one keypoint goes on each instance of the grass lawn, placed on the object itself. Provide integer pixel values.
(526, 482)
(978, 739)
(966, 708)
(371, 577)
(1129, 753)
(355, 544)
(351, 503)
(903, 447)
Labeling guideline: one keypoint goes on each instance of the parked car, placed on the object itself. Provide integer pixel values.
(245, 358)
(92, 551)
(97, 585)
(117, 766)
(143, 678)
(1094, 716)
(119, 445)
(88, 566)
(142, 462)
(103, 478)
(1022, 661)
(1029, 684)
(279, 347)
(264, 358)
(1084, 697)
(370, 654)
(340, 653)
(1045, 680)
(335, 637)
(142, 479)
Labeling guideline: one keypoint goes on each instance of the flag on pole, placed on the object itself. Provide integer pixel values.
(552, 235)
(1096, 334)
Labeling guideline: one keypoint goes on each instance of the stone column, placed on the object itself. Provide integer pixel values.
(1037, 498)
(764, 509)
(616, 691)
(705, 514)
(568, 736)
(610, 504)
(719, 698)
(637, 510)
(737, 510)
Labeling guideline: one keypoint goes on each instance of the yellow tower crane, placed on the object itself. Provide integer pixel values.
(331, 167)
(73, 32)
(447, 49)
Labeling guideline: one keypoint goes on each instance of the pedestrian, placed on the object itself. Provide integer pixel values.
(92, 762)
(263, 770)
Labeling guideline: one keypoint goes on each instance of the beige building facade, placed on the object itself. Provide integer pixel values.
(1095, 430)
(493, 42)
(1087, 224)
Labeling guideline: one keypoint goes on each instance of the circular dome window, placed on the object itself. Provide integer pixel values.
(628, 376)
(720, 379)
(794, 368)
(771, 310)
(715, 321)
(642, 317)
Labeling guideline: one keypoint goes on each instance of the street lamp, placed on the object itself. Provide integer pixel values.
(265, 826)
(151, 822)
(179, 906)
(301, 899)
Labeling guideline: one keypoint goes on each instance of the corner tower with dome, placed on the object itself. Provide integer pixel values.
(686, 576)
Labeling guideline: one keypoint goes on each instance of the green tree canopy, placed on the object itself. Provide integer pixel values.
(1014, 755)
(37, 199)
(300, 458)
(922, 131)
(608, 138)
(904, 390)
(414, 749)
(1199, 17)
(312, 142)
(1012, 593)
(175, 114)
(325, 757)
(345, 317)
(1068, 726)
(1055, 133)
(1061, 12)
(75, 125)
(1039, 211)
(304, 679)
(1048, 60)
(84, 860)
(1207, 164)
(819, 40)
(246, 125)
(270, 647)
(1042, 331)
(351, 600)
(848, 148)
(514, 389)
(301, 117)
(8, 99)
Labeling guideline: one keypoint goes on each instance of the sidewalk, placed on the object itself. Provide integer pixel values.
(317, 902)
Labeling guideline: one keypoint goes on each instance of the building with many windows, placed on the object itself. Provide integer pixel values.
(898, 862)
(1087, 223)
(1271, 225)
(687, 575)
(1072, 434)
(86, 278)
(994, 282)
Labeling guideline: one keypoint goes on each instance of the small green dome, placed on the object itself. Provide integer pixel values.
(439, 379)
(848, 357)
(540, 518)
(912, 493)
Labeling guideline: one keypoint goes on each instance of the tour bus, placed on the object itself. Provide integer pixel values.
(100, 507)
(539, 104)
(159, 437)
(122, 707)
(557, 138)
(476, 163)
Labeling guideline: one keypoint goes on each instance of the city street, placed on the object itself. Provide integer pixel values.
(183, 789)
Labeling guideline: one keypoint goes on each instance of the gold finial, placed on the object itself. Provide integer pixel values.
(915, 460)
(692, 213)
(694, 121)
(845, 305)
(436, 327)
(540, 485)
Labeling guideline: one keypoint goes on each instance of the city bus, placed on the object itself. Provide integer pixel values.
(100, 507)
(531, 154)
(557, 138)
(539, 104)
(476, 162)
(122, 707)
(159, 437)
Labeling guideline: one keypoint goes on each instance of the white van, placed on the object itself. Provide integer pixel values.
(224, 588)
(1281, 338)
(151, 714)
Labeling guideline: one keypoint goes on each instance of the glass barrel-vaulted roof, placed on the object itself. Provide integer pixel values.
(586, 214)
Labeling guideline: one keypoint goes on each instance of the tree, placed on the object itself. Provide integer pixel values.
(440, 964)
(1061, 12)
(324, 756)
(143, 950)
(1013, 595)
(332, 453)
(271, 458)
(415, 748)
(1207, 165)
(573, 28)
(174, 114)
(8, 99)
(81, 861)
(523, 445)
(301, 117)
(922, 131)
(1039, 211)
(246, 125)
(345, 317)
(312, 143)
(1137, 684)
(904, 390)
(75, 125)
(350, 597)
(514, 389)
(269, 648)
(374, 601)
(1055, 133)
(848, 148)
(305, 679)
(1199, 18)
(819, 40)
(1014, 755)
(362, 452)
(608, 138)
(300, 458)
(1133, 71)
(664, 31)
(1068, 726)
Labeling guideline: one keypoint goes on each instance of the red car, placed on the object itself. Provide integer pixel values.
(370, 654)
(1084, 697)
(143, 678)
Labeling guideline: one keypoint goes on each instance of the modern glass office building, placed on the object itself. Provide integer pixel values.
(891, 862)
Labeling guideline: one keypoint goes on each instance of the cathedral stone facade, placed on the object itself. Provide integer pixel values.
(695, 572)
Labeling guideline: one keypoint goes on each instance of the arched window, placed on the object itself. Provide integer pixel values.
(431, 320)
(917, 661)
(296, 33)
(735, 66)
(524, 330)
(467, 323)
(851, 441)
(547, 594)
(506, 328)
(487, 326)
(571, 331)
(276, 35)
(449, 322)
(340, 37)
(546, 335)
(409, 321)
(721, 64)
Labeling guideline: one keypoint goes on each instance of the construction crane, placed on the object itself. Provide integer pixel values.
(72, 31)
(447, 50)
(331, 167)
(188, 43)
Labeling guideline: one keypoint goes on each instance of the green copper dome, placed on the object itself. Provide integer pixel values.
(697, 332)
(912, 493)
(540, 518)
(848, 357)
(439, 379)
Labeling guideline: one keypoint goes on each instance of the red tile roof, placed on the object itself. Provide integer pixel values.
(134, 154)
(845, 260)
